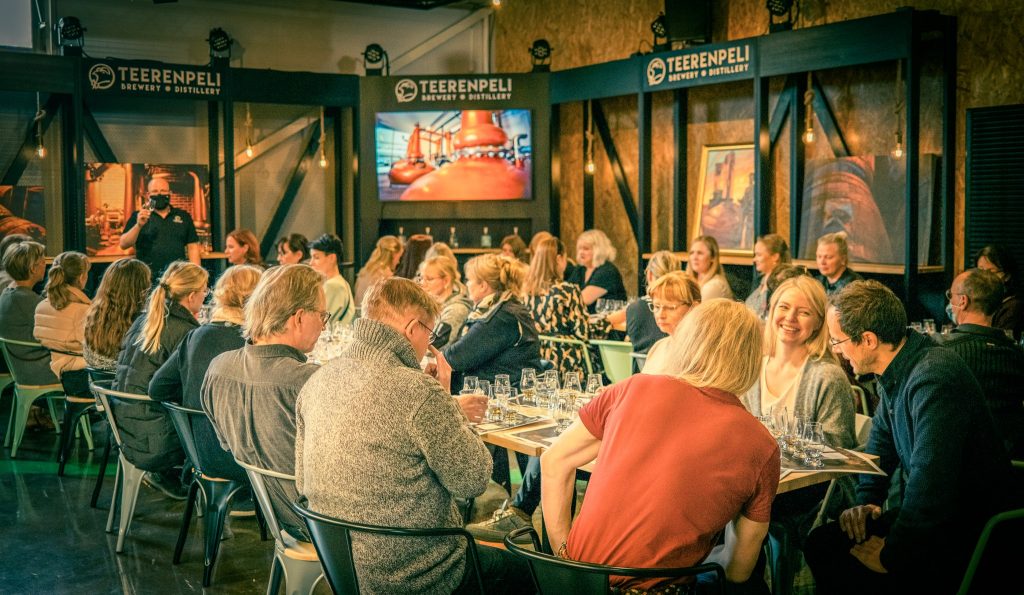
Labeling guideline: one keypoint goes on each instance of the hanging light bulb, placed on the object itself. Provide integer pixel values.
(590, 167)
(323, 139)
(40, 114)
(897, 151)
(249, 149)
(40, 149)
(808, 135)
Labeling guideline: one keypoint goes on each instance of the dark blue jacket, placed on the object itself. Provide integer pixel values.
(502, 342)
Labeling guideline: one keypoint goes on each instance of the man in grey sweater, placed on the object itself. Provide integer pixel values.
(381, 442)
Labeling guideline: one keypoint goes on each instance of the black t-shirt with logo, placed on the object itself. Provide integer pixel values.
(162, 240)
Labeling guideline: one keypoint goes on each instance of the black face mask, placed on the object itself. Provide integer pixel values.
(159, 202)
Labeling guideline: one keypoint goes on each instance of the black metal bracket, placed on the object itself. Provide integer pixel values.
(28, 147)
(601, 124)
(291, 189)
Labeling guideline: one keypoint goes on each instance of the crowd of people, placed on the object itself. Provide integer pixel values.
(380, 434)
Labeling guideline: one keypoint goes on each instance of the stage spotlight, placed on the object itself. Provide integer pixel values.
(220, 44)
(71, 35)
(540, 54)
(376, 61)
(660, 31)
(779, 8)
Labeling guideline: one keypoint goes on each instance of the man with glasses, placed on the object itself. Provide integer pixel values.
(996, 362)
(382, 442)
(933, 424)
(160, 240)
(250, 393)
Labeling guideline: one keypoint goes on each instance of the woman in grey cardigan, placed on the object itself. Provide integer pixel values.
(799, 373)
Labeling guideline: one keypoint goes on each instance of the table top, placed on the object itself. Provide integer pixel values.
(514, 440)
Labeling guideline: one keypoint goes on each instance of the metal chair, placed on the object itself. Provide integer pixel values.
(76, 411)
(295, 560)
(217, 492)
(333, 541)
(584, 348)
(639, 359)
(97, 375)
(993, 563)
(25, 395)
(129, 477)
(554, 575)
(616, 358)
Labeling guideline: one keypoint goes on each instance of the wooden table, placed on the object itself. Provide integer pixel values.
(514, 441)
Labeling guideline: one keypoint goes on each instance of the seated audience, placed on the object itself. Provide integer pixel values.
(638, 318)
(373, 395)
(382, 264)
(242, 247)
(292, 249)
(121, 297)
(537, 238)
(770, 251)
(646, 506)
(705, 267)
(596, 275)
(1010, 313)
(8, 241)
(996, 362)
(180, 379)
(557, 306)
(416, 248)
(249, 393)
(673, 296)
(933, 423)
(440, 249)
(499, 336)
(147, 434)
(513, 246)
(326, 253)
(60, 321)
(833, 262)
(440, 278)
(25, 262)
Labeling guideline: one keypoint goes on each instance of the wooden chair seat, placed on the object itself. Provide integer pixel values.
(80, 400)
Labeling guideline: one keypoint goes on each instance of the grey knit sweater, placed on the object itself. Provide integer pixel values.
(380, 442)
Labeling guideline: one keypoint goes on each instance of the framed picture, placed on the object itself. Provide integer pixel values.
(725, 208)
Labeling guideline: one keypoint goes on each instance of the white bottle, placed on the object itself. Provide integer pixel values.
(485, 239)
(401, 234)
(453, 240)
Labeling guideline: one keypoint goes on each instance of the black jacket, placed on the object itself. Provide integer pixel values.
(148, 438)
(502, 342)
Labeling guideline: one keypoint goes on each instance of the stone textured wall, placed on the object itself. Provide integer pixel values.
(990, 72)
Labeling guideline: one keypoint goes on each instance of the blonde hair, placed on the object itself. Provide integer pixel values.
(281, 291)
(440, 250)
(713, 252)
(543, 272)
(232, 291)
(120, 297)
(839, 239)
(65, 271)
(446, 267)
(676, 286)
(383, 256)
(717, 345)
(537, 238)
(817, 345)
(20, 258)
(776, 245)
(503, 275)
(662, 262)
(602, 246)
(392, 297)
(179, 280)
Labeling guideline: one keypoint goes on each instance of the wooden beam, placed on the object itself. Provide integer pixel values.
(680, 110)
(291, 190)
(620, 173)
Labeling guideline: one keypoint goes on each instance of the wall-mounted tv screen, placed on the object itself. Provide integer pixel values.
(454, 155)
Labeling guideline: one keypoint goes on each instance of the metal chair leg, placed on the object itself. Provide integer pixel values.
(186, 520)
(103, 470)
(131, 481)
(218, 496)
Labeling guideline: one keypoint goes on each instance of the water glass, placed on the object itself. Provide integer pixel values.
(470, 384)
(561, 411)
(813, 444)
(572, 383)
(502, 384)
(929, 326)
(601, 306)
(528, 384)
(917, 326)
(947, 329)
(795, 436)
(594, 384)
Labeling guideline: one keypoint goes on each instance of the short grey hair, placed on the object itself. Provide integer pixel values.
(282, 291)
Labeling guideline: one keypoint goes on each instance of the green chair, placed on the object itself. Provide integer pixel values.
(24, 396)
(616, 357)
(991, 567)
(570, 341)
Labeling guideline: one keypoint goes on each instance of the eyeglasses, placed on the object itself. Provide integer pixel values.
(430, 330)
(950, 294)
(835, 343)
(323, 314)
(666, 307)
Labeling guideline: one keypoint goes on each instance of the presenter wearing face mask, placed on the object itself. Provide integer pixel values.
(159, 232)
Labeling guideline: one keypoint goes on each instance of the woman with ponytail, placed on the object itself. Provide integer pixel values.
(149, 440)
(119, 300)
(499, 336)
(60, 320)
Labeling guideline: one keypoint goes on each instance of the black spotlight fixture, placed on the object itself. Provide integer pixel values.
(660, 31)
(776, 9)
(540, 54)
(220, 45)
(71, 35)
(376, 61)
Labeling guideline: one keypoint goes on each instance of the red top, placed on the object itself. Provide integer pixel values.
(676, 464)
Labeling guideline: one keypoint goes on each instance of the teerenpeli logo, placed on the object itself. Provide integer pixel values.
(406, 90)
(656, 71)
(101, 77)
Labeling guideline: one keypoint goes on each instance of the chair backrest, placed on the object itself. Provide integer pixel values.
(106, 395)
(570, 341)
(863, 405)
(993, 563)
(181, 418)
(639, 359)
(615, 355)
(96, 374)
(332, 539)
(554, 575)
(259, 487)
(862, 428)
(13, 361)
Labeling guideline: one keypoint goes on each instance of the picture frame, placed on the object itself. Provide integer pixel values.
(725, 198)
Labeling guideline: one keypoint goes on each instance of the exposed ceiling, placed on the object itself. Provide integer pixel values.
(418, 4)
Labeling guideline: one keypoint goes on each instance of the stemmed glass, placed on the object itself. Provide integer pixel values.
(572, 383)
(528, 384)
(794, 436)
(813, 444)
(594, 384)
(502, 392)
(470, 385)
